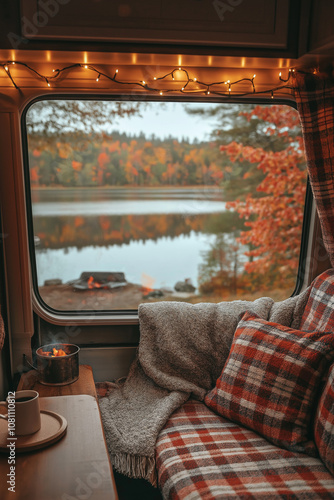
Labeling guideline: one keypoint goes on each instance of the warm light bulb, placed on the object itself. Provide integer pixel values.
(180, 69)
(86, 67)
(160, 93)
(6, 68)
(208, 92)
(13, 62)
(97, 79)
(229, 89)
(228, 81)
(116, 71)
(254, 76)
(53, 70)
(272, 95)
(155, 78)
(182, 88)
(280, 74)
(144, 83)
(195, 79)
(49, 84)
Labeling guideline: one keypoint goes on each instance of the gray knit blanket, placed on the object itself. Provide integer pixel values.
(182, 351)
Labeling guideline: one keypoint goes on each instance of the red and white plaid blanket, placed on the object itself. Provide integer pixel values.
(201, 455)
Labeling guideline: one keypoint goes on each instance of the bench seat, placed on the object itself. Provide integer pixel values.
(201, 455)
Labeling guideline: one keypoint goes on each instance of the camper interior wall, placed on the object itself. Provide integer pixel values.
(14, 226)
(3, 380)
(4, 354)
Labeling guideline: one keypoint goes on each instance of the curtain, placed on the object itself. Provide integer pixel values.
(314, 95)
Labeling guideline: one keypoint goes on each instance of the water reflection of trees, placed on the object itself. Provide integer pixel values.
(81, 231)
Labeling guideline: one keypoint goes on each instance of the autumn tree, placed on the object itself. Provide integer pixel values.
(57, 118)
(274, 214)
(219, 273)
(263, 175)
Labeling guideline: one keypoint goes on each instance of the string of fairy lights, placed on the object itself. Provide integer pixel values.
(188, 85)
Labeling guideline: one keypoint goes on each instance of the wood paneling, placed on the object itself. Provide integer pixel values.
(16, 253)
(322, 33)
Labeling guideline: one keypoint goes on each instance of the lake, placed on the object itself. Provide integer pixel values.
(155, 236)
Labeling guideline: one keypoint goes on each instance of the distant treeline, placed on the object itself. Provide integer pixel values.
(122, 160)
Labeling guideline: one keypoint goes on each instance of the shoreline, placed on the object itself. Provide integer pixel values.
(127, 187)
(64, 298)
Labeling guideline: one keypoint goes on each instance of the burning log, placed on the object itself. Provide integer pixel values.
(94, 284)
(55, 352)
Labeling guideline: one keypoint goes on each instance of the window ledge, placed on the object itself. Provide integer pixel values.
(85, 318)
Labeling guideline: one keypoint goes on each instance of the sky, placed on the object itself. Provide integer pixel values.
(169, 119)
(160, 118)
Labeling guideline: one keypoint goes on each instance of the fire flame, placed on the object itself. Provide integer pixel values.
(93, 284)
(55, 352)
(147, 283)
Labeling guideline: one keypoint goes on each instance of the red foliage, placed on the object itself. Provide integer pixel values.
(103, 159)
(34, 177)
(76, 165)
(275, 218)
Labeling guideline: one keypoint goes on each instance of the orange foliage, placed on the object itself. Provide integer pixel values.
(103, 159)
(79, 221)
(64, 150)
(274, 219)
(114, 146)
(76, 165)
(34, 177)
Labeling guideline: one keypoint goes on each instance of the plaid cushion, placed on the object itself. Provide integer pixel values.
(270, 381)
(324, 423)
(201, 455)
(319, 310)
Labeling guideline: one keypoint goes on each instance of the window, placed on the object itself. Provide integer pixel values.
(137, 201)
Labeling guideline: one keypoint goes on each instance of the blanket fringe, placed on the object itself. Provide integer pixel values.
(136, 466)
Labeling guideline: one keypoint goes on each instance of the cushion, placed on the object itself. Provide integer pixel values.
(319, 310)
(201, 455)
(270, 381)
(324, 423)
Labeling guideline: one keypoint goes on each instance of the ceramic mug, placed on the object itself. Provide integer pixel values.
(23, 412)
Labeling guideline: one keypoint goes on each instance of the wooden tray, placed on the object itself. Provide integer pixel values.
(53, 427)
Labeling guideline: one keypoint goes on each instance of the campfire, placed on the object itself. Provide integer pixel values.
(147, 284)
(99, 280)
(94, 284)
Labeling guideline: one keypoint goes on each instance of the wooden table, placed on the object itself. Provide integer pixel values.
(75, 468)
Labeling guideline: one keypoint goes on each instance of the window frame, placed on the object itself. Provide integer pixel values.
(130, 316)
